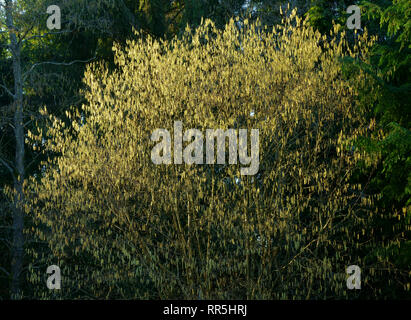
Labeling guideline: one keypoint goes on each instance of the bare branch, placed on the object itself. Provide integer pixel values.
(7, 90)
(56, 64)
(7, 166)
(25, 34)
(46, 34)
(5, 271)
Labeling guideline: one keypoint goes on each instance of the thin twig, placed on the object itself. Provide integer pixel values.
(7, 166)
(7, 90)
(57, 64)
(5, 271)
(46, 34)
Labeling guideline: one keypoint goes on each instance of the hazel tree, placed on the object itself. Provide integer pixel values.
(121, 226)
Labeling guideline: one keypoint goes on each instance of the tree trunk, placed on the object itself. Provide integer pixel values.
(18, 212)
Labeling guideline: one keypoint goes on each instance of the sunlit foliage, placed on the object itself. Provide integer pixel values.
(121, 227)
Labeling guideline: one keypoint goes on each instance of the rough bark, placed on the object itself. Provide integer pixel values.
(18, 212)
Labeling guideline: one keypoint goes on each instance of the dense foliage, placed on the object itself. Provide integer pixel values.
(122, 227)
